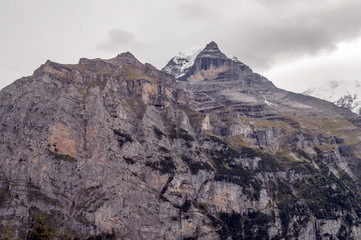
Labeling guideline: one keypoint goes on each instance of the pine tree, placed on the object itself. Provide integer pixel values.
(7, 235)
(39, 230)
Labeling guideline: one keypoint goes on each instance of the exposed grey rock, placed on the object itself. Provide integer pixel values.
(118, 147)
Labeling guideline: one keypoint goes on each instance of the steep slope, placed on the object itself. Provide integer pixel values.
(113, 149)
(344, 94)
(73, 143)
(248, 110)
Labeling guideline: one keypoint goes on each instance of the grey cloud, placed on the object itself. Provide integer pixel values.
(296, 33)
(273, 3)
(117, 38)
(13, 68)
(196, 10)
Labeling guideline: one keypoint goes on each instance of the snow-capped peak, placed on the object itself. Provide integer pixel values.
(178, 65)
(345, 94)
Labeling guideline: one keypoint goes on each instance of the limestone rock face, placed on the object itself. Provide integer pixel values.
(116, 149)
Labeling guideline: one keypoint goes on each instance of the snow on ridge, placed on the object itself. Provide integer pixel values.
(189, 56)
(182, 62)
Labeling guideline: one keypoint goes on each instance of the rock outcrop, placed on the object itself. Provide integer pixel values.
(116, 149)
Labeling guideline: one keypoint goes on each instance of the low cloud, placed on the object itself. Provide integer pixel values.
(117, 39)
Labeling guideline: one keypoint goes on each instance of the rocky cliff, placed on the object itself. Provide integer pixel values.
(116, 149)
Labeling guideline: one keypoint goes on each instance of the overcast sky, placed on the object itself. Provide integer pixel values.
(294, 43)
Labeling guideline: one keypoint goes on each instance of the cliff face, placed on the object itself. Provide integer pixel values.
(118, 149)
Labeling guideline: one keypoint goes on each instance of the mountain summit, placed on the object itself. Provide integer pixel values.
(211, 51)
(117, 149)
(217, 81)
(203, 65)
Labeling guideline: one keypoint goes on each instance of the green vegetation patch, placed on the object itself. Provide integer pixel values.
(83, 220)
(298, 167)
(289, 120)
(288, 205)
(302, 163)
(132, 74)
(195, 118)
(128, 160)
(158, 133)
(5, 196)
(227, 170)
(231, 225)
(35, 194)
(64, 157)
(344, 233)
(346, 179)
(6, 233)
(180, 133)
(323, 193)
(326, 195)
(202, 206)
(165, 165)
(269, 164)
(122, 138)
(88, 191)
(186, 206)
(163, 149)
(103, 236)
(38, 196)
(177, 133)
(39, 229)
(92, 199)
(97, 83)
(81, 68)
(252, 226)
(190, 238)
(302, 153)
(185, 135)
(196, 166)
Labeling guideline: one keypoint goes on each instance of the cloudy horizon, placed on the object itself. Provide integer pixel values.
(295, 44)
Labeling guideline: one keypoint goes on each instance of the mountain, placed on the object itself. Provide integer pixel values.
(181, 63)
(117, 149)
(215, 81)
(345, 94)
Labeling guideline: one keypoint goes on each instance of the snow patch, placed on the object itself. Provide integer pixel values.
(179, 64)
(189, 57)
(269, 103)
(345, 94)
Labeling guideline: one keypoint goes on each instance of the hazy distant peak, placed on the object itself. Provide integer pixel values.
(345, 94)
